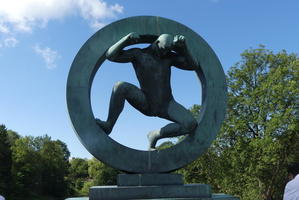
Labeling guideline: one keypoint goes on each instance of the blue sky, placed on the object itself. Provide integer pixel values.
(39, 39)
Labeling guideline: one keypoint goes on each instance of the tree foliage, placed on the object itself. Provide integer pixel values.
(54, 156)
(40, 168)
(5, 162)
(32, 166)
(26, 167)
(78, 175)
(99, 174)
(260, 136)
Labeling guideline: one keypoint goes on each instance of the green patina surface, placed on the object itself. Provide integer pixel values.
(87, 62)
(149, 179)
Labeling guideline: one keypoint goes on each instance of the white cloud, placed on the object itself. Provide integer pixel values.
(3, 29)
(94, 11)
(49, 56)
(25, 15)
(10, 42)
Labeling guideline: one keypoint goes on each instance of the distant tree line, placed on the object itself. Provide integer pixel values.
(31, 166)
(40, 168)
(258, 139)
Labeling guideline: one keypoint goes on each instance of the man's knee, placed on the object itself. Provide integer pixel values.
(120, 87)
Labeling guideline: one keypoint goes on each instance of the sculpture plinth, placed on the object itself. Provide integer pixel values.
(154, 187)
(139, 186)
(170, 44)
(149, 192)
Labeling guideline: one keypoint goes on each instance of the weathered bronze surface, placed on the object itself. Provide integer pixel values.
(192, 49)
(152, 66)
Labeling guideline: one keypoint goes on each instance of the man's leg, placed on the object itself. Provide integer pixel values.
(184, 123)
(122, 91)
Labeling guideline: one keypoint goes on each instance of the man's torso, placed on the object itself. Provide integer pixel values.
(153, 74)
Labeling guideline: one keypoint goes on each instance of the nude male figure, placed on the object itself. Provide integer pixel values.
(154, 97)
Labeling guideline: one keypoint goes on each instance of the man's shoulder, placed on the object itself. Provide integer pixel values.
(292, 189)
(293, 183)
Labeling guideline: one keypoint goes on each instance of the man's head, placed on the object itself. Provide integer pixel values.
(293, 170)
(164, 43)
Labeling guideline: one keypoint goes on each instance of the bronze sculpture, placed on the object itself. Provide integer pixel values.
(152, 66)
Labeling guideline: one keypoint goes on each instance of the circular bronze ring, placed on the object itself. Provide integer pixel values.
(81, 75)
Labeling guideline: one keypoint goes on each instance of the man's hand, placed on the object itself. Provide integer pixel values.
(133, 37)
(179, 41)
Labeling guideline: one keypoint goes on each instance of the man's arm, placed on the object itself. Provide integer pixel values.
(181, 59)
(181, 62)
(116, 53)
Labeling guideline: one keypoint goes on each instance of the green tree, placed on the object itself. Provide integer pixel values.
(261, 132)
(54, 159)
(100, 174)
(165, 145)
(78, 174)
(26, 167)
(39, 167)
(195, 110)
(260, 135)
(5, 162)
(12, 137)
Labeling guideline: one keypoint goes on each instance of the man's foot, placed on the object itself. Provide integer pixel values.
(105, 126)
(153, 137)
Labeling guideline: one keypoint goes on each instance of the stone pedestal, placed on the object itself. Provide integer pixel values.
(153, 187)
(149, 179)
(149, 192)
(213, 197)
